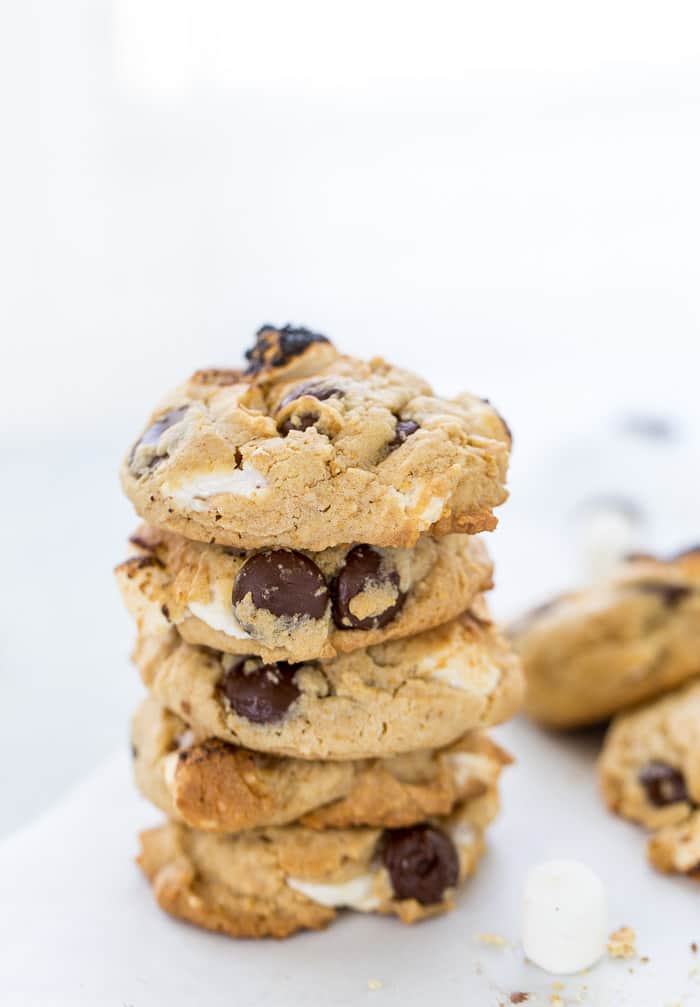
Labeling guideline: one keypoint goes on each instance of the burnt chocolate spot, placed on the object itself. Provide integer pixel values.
(364, 568)
(422, 863)
(276, 347)
(404, 429)
(282, 582)
(663, 784)
(670, 594)
(153, 433)
(262, 694)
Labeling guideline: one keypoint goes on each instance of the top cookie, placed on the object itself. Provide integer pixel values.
(591, 653)
(310, 449)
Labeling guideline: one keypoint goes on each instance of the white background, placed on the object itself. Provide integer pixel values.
(504, 196)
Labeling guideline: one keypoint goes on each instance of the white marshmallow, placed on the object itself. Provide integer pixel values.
(564, 916)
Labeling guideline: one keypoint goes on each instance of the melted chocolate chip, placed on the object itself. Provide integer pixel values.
(364, 568)
(283, 583)
(422, 863)
(670, 594)
(663, 784)
(404, 429)
(262, 694)
(316, 391)
(276, 347)
(301, 422)
(152, 435)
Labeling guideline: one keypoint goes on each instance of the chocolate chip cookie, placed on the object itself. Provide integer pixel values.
(273, 882)
(308, 449)
(287, 605)
(649, 768)
(212, 785)
(420, 692)
(589, 654)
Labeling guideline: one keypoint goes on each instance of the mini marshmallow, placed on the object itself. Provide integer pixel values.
(564, 916)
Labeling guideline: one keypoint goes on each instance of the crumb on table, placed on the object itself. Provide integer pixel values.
(621, 943)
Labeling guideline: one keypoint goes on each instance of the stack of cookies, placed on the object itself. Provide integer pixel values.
(308, 591)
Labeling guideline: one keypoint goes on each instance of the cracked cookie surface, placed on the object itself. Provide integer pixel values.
(211, 785)
(274, 882)
(292, 606)
(420, 692)
(309, 449)
(591, 653)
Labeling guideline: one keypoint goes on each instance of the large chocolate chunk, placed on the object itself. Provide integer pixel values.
(262, 693)
(422, 862)
(365, 572)
(282, 582)
(276, 347)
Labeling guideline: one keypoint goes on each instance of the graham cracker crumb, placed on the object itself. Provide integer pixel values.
(375, 984)
(621, 943)
(492, 940)
(694, 948)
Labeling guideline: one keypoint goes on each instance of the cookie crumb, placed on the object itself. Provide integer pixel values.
(556, 1001)
(491, 940)
(519, 998)
(694, 948)
(644, 959)
(375, 984)
(621, 943)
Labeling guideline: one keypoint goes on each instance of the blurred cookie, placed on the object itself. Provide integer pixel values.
(591, 653)
(212, 785)
(273, 882)
(309, 449)
(292, 606)
(649, 768)
(420, 692)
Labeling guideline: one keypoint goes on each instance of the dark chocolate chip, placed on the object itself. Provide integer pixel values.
(663, 784)
(422, 863)
(363, 569)
(262, 694)
(300, 422)
(276, 347)
(404, 429)
(670, 594)
(316, 391)
(153, 433)
(282, 582)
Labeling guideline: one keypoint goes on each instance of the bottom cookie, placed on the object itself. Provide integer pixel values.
(650, 773)
(274, 882)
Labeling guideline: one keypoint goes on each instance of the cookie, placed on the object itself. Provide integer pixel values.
(420, 692)
(589, 654)
(310, 449)
(649, 768)
(285, 605)
(675, 849)
(273, 882)
(211, 785)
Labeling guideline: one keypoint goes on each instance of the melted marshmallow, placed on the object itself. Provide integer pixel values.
(245, 482)
(355, 894)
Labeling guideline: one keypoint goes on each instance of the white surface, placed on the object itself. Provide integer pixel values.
(565, 917)
(78, 925)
